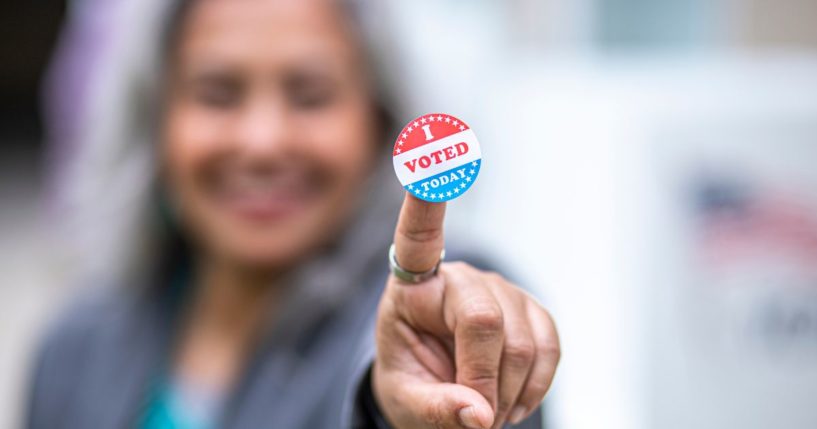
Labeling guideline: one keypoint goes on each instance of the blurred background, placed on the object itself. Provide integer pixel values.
(650, 169)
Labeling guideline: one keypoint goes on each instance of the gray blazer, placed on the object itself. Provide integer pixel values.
(98, 364)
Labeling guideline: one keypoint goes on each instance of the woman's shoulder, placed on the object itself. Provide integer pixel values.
(90, 322)
(87, 315)
(80, 354)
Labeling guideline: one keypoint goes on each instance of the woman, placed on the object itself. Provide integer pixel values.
(268, 269)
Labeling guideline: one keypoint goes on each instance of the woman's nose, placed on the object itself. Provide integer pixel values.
(265, 129)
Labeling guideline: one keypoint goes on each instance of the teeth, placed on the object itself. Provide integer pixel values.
(255, 184)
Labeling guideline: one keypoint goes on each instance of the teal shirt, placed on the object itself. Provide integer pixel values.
(177, 405)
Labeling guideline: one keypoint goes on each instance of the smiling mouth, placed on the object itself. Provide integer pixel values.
(268, 195)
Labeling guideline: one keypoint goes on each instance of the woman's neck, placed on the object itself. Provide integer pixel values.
(227, 314)
(232, 298)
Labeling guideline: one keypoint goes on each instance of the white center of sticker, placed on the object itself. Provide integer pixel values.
(437, 157)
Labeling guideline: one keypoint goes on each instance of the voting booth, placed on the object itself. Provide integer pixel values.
(667, 213)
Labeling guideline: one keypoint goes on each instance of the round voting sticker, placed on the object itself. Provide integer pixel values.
(437, 157)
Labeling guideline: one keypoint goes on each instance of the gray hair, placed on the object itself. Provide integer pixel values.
(106, 191)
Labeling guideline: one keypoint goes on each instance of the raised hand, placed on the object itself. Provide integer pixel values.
(464, 349)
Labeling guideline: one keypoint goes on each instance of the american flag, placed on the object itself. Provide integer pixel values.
(740, 223)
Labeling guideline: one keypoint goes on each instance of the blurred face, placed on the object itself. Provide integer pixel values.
(269, 129)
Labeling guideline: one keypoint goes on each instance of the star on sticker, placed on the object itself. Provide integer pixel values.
(448, 193)
(423, 121)
(416, 124)
(470, 172)
(447, 120)
(474, 164)
(410, 186)
(417, 191)
(462, 186)
(409, 128)
(467, 179)
(398, 151)
(462, 128)
(439, 118)
(455, 123)
(405, 135)
(456, 190)
(433, 196)
(425, 194)
(432, 118)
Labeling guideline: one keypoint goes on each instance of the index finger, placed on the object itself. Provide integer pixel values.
(418, 238)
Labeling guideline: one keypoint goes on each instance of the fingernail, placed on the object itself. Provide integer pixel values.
(517, 414)
(468, 418)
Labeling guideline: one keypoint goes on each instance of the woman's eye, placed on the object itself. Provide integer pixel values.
(217, 93)
(218, 97)
(310, 93)
(311, 99)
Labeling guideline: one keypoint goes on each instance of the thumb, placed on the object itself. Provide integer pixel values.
(449, 405)
(418, 238)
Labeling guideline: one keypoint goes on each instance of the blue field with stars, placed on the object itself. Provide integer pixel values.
(446, 185)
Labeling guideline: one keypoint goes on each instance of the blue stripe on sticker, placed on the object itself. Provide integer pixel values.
(447, 185)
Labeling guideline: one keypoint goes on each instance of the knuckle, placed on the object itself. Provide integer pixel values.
(535, 391)
(549, 351)
(519, 352)
(481, 374)
(482, 315)
(433, 414)
(420, 235)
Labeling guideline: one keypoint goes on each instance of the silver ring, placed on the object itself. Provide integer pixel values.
(410, 276)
